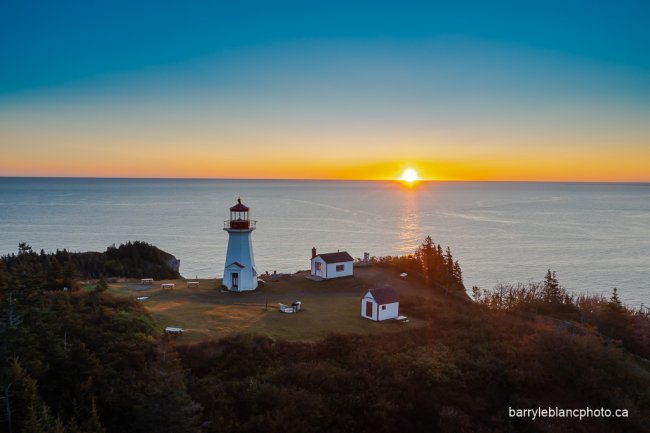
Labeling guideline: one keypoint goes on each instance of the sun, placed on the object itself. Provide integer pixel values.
(410, 176)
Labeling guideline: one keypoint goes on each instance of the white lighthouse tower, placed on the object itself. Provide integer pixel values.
(239, 274)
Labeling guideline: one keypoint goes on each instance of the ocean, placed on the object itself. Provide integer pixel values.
(596, 236)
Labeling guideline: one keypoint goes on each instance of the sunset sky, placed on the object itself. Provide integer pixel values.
(490, 90)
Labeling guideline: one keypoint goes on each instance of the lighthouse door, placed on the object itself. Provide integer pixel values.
(235, 280)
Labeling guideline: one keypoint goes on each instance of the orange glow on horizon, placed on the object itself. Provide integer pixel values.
(208, 168)
(283, 157)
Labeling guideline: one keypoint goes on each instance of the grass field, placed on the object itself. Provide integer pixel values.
(327, 306)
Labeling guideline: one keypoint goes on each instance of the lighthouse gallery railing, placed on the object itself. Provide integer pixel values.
(239, 224)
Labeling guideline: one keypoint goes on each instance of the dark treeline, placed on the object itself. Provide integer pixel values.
(429, 263)
(459, 372)
(83, 361)
(132, 260)
(549, 298)
(88, 362)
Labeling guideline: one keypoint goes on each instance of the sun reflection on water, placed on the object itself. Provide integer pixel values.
(409, 223)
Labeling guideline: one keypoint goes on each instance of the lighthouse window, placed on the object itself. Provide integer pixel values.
(340, 268)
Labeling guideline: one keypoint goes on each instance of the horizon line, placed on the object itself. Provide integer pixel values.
(331, 179)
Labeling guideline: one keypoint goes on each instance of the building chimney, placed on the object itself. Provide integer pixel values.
(313, 252)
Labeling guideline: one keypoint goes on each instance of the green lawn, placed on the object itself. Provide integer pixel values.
(328, 306)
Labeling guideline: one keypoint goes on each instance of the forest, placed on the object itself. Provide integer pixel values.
(130, 260)
(436, 268)
(86, 361)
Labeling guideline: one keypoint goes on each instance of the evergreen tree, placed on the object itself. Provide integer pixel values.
(551, 288)
(24, 249)
(164, 402)
(427, 254)
(449, 267)
(614, 300)
(458, 275)
(70, 275)
(29, 413)
(53, 272)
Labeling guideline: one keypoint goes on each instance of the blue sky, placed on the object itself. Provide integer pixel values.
(482, 78)
(46, 43)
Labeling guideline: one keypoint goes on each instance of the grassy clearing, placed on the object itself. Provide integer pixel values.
(328, 306)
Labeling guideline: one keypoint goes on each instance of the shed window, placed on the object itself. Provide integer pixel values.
(383, 307)
(340, 268)
(319, 266)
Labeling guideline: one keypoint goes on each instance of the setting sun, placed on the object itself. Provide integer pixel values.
(410, 176)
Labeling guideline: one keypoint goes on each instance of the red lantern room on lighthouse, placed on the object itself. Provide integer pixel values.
(239, 217)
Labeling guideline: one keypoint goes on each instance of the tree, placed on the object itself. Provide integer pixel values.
(70, 275)
(427, 256)
(26, 412)
(552, 290)
(24, 248)
(53, 272)
(164, 404)
(614, 301)
(458, 275)
(449, 267)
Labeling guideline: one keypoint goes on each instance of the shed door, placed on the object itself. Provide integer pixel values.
(368, 309)
(235, 280)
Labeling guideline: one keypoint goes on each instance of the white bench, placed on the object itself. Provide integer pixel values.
(173, 330)
(146, 281)
(192, 284)
(167, 286)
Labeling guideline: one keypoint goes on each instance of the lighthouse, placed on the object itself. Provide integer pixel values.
(239, 273)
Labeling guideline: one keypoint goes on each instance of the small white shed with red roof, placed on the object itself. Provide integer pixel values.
(331, 265)
(380, 304)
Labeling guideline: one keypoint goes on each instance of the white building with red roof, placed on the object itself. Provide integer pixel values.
(331, 265)
(380, 304)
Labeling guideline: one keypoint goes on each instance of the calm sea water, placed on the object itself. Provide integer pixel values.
(596, 236)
